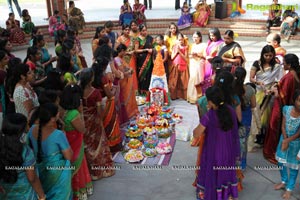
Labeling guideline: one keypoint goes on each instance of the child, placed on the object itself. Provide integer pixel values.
(185, 19)
(179, 74)
(221, 148)
(158, 81)
(196, 68)
(288, 147)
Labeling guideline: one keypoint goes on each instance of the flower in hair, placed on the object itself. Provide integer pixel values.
(221, 103)
(222, 80)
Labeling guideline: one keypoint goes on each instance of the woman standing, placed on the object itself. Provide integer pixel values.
(246, 95)
(264, 73)
(129, 57)
(96, 146)
(22, 183)
(25, 98)
(143, 50)
(128, 107)
(76, 19)
(13, 26)
(100, 32)
(221, 148)
(232, 53)
(46, 58)
(75, 129)
(52, 150)
(110, 117)
(213, 46)
(179, 74)
(196, 68)
(284, 91)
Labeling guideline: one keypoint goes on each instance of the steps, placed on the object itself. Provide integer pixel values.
(243, 27)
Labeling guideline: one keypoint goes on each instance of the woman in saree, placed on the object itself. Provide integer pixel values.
(284, 89)
(13, 26)
(143, 50)
(76, 19)
(231, 53)
(264, 73)
(129, 57)
(96, 147)
(213, 46)
(201, 15)
(27, 24)
(22, 182)
(55, 23)
(111, 121)
(70, 101)
(100, 32)
(46, 58)
(53, 153)
(134, 29)
(128, 103)
(125, 13)
(138, 12)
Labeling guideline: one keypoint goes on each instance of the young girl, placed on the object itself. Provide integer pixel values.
(185, 19)
(289, 146)
(179, 74)
(196, 68)
(74, 127)
(221, 148)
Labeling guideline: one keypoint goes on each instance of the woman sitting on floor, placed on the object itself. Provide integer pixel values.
(16, 33)
(125, 13)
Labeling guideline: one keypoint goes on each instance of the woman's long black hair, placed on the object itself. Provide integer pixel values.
(216, 96)
(240, 75)
(46, 112)
(11, 147)
(99, 68)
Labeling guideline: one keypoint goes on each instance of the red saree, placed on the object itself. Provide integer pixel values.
(96, 146)
(81, 179)
(286, 88)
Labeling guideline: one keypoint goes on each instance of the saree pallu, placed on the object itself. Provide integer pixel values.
(112, 125)
(55, 174)
(185, 19)
(144, 64)
(286, 88)
(81, 179)
(232, 51)
(127, 99)
(96, 146)
(27, 27)
(211, 50)
(130, 59)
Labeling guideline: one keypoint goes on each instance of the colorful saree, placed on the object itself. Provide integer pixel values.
(185, 19)
(111, 121)
(286, 87)
(27, 25)
(139, 16)
(232, 51)
(16, 35)
(128, 104)
(45, 58)
(81, 178)
(196, 70)
(211, 51)
(144, 63)
(96, 146)
(54, 171)
(201, 15)
(21, 189)
(130, 59)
